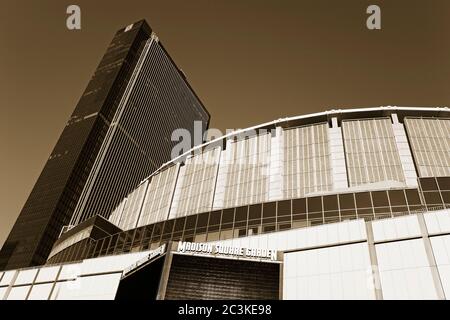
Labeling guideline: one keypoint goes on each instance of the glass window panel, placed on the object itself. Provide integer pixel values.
(397, 198)
(330, 203)
(348, 214)
(346, 201)
(255, 211)
(179, 224)
(112, 244)
(380, 199)
(202, 220)
(240, 224)
(428, 184)
(314, 204)
(254, 230)
(413, 197)
(168, 226)
(399, 210)
(416, 209)
(365, 212)
(315, 217)
(382, 210)
(300, 224)
(228, 215)
(213, 236)
(284, 208)
(214, 228)
(269, 209)
(157, 230)
(254, 222)
(226, 233)
(285, 226)
(177, 236)
(299, 217)
(299, 206)
(432, 198)
(363, 200)
(284, 218)
(166, 237)
(190, 222)
(446, 197)
(331, 214)
(105, 246)
(98, 246)
(241, 213)
(444, 183)
(242, 232)
(215, 217)
(268, 220)
(269, 228)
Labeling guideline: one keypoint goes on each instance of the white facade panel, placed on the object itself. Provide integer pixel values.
(26, 276)
(100, 287)
(341, 272)
(47, 274)
(3, 292)
(438, 222)
(110, 263)
(70, 271)
(441, 251)
(40, 291)
(329, 234)
(396, 228)
(404, 270)
(18, 293)
(8, 278)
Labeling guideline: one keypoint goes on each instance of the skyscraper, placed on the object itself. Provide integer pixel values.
(118, 134)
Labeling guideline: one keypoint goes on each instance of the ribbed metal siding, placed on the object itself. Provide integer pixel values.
(430, 143)
(307, 164)
(196, 185)
(248, 171)
(133, 208)
(159, 196)
(371, 152)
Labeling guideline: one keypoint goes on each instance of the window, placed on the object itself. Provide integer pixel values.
(269, 212)
(428, 184)
(314, 204)
(432, 199)
(444, 183)
(255, 212)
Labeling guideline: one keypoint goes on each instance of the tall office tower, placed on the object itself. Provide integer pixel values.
(118, 134)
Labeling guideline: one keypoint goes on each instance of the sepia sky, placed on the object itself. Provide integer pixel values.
(250, 61)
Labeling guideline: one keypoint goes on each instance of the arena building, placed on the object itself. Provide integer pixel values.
(343, 204)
